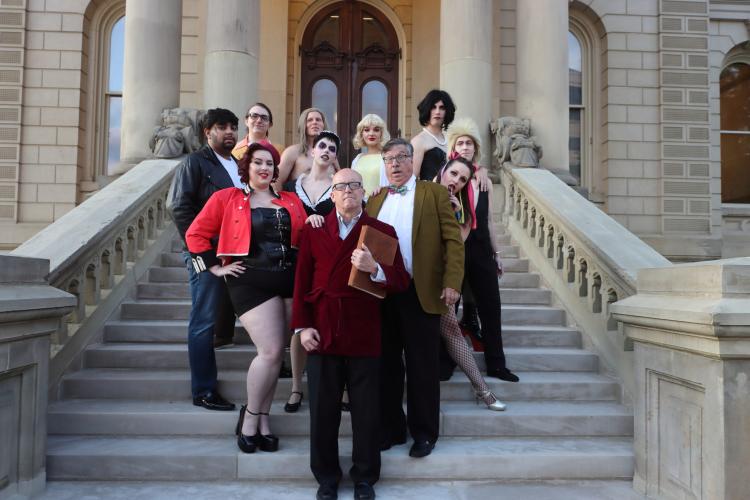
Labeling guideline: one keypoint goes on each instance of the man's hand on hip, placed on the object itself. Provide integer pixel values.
(450, 296)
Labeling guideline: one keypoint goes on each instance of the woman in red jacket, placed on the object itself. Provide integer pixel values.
(257, 232)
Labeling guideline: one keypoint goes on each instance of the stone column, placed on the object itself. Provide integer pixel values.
(231, 65)
(466, 62)
(542, 75)
(151, 73)
(690, 325)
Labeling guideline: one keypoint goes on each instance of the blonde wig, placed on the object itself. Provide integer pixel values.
(371, 120)
(302, 127)
(465, 127)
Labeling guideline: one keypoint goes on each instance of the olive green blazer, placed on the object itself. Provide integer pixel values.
(437, 247)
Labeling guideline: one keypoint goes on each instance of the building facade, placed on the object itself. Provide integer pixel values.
(645, 102)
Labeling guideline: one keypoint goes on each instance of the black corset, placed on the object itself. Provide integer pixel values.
(270, 242)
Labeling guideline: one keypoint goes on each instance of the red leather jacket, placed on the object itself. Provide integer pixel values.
(227, 215)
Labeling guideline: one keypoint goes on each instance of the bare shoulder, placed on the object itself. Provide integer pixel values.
(290, 153)
(418, 140)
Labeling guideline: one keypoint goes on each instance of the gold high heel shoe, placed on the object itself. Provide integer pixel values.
(496, 404)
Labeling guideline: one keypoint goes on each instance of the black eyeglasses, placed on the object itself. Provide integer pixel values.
(256, 116)
(396, 159)
(341, 186)
(330, 147)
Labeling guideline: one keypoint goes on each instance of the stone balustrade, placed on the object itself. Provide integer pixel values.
(690, 325)
(586, 258)
(30, 311)
(98, 250)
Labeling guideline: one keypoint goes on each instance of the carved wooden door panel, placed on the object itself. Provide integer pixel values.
(350, 57)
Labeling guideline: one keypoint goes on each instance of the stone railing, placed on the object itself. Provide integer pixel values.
(587, 258)
(735, 230)
(30, 311)
(690, 324)
(99, 250)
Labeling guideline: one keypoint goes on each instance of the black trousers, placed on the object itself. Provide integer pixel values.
(481, 274)
(326, 376)
(408, 329)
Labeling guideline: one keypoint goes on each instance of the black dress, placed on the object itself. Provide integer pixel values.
(269, 265)
(480, 270)
(432, 162)
(322, 207)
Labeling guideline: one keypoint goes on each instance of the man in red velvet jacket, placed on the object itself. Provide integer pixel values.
(340, 328)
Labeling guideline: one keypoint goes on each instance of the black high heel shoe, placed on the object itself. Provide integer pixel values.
(267, 442)
(293, 407)
(248, 444)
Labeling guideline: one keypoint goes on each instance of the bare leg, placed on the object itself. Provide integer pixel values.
(299, 358)
(265, 324)
(460, 352)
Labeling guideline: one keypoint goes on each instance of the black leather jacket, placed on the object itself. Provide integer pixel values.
(198, 177)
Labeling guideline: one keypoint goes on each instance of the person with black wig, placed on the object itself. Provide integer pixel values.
(436, 112)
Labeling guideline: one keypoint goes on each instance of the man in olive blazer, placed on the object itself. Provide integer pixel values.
(433, 252)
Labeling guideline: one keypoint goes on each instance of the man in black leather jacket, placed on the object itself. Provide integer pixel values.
(200, 175)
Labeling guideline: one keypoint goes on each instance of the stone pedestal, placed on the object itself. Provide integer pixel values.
(151, 72)
(691, 330)
(231, 64)
(542, 75)
(30, 310)
(466, 62)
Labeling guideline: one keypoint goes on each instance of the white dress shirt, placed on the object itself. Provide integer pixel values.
(344, 228)
(398, 211)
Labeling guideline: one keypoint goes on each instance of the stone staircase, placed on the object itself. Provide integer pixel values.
(127, 414)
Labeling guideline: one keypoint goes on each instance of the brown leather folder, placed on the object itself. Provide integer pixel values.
(383, 250)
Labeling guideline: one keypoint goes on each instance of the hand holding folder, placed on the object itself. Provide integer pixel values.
(383, 249)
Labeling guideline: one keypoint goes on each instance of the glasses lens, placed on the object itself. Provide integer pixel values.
(256, 116)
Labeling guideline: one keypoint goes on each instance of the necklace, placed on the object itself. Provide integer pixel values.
(440, 143)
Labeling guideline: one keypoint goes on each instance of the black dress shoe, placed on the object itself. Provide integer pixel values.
(386, 444)
(213, 401)
(327, 492)
(363, 491)
(503, 374)
(223, 342)
(421, 449)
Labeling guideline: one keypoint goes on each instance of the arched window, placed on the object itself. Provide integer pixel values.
(577, 105)
(101, 104)
(113, 94)
(734, 85)
(585, 46)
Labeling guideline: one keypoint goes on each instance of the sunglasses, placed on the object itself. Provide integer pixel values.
(330, 147)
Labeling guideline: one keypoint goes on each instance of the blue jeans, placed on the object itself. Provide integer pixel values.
(206, 293)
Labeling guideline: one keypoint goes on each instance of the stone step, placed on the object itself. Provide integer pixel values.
(171, 355)
(601, 489)
(180, 309)
(522, 418)
(176, 331)
(508, 251)
(519, 280)
(181, 291)
(174, 385)
(217, 459)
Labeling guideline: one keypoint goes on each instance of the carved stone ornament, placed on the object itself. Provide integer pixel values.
(178, 134)
(514, 142)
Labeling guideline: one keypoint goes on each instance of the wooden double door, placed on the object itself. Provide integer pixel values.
(350, 61)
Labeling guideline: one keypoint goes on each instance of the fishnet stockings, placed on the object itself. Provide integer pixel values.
(461, 354)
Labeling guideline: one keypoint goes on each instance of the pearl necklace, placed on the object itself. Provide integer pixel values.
(443, 143)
